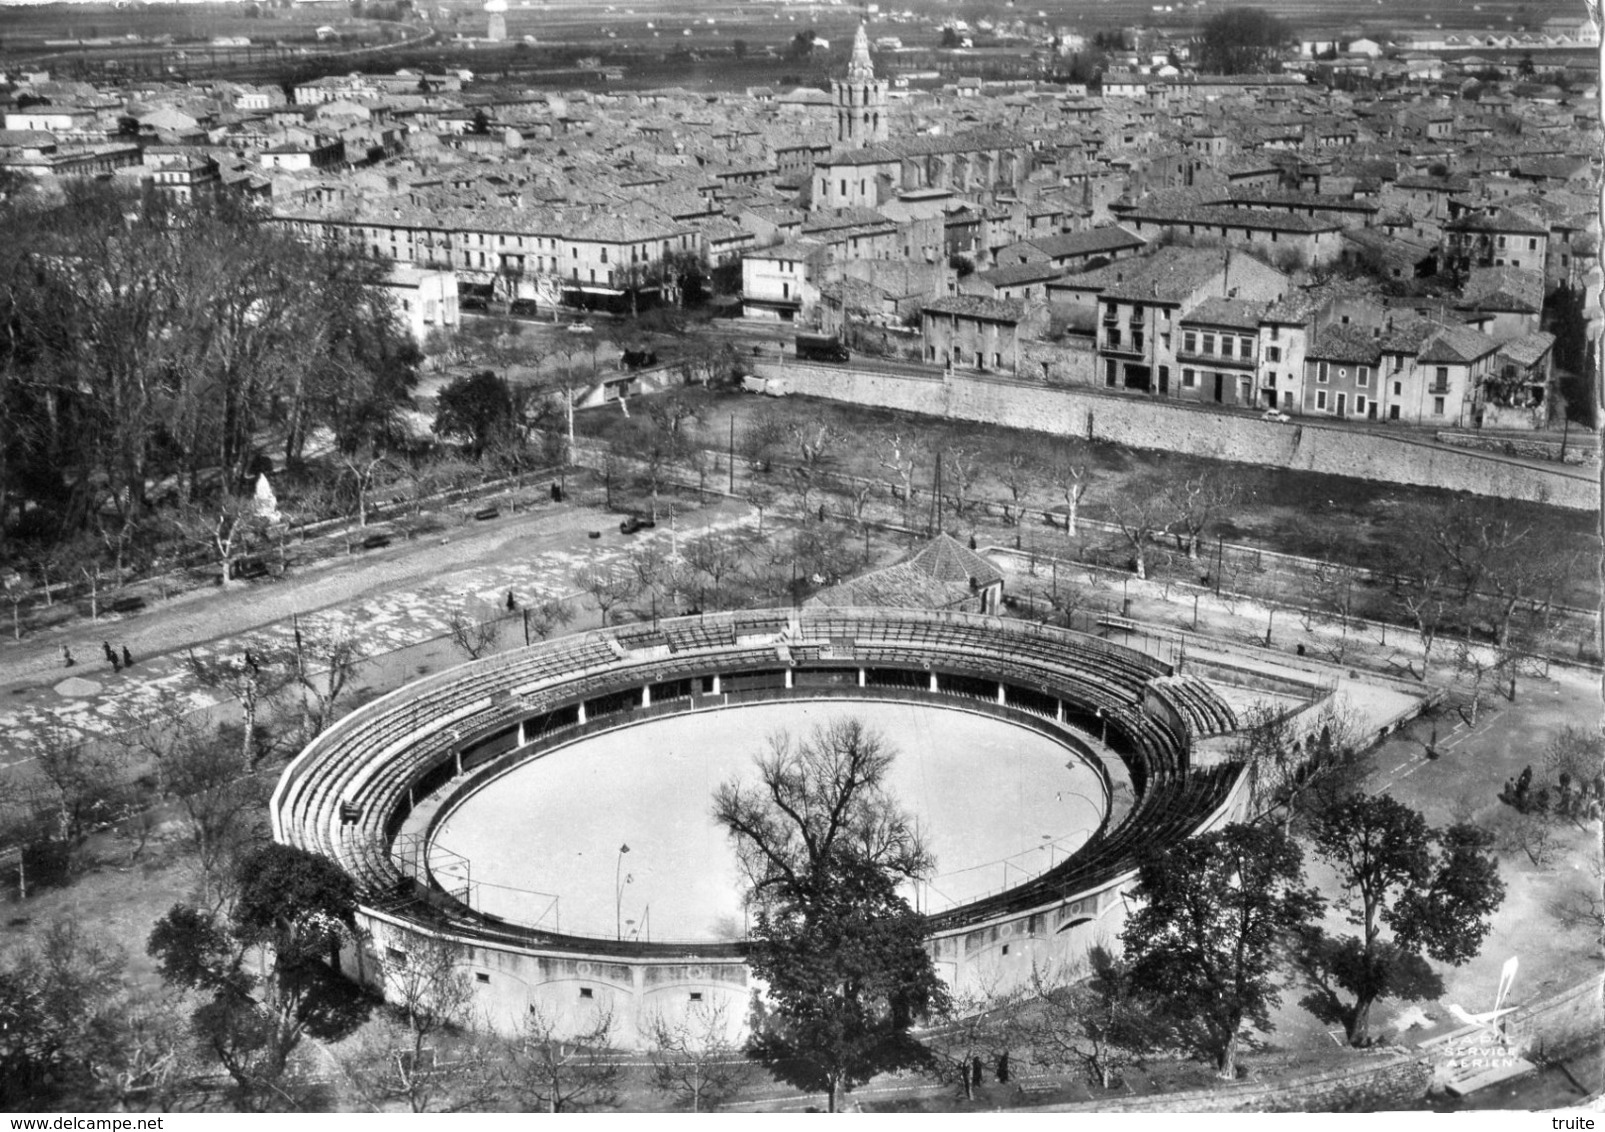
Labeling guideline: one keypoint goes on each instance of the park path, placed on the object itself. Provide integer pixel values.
(385, 602)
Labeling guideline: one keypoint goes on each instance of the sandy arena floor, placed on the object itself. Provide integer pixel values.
(998, 803)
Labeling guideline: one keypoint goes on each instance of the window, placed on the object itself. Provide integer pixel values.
(1362, 377)
(1501, 243)
(1005, 949)
(1109, 374)
(696, 996)
(997, 360)
(1398, 388)
(844, 188)
(1189, 342)
(1442, 375)
(1437, 406)
(1189, 378)
(604, 255)
(1209, 343)
(1359, 405)
(574, 253)
(1343, 373)
(1273, 353)
(396, 956)
(1320, 372)
(1532, 244)
(1245, 347)
(585, 992)
(1320, 399)
(481, 977)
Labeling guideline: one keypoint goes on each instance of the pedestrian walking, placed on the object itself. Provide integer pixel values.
(512, 603)
(66, 655)
(128, 658)
(116, 665)
(105, 647)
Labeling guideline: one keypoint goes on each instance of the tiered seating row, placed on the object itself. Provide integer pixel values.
(370, 760)
(1199, 704)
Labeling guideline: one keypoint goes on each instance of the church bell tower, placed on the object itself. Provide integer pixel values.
(860, 100)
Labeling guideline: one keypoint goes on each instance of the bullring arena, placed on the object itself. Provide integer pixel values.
(547, 811)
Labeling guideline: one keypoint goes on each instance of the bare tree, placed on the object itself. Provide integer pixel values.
(551, 1073)
(1071, 478)
(718, 555)
(694, 1062)
(427, 1056)
(1198, 503)
(764, 435)
(364, 470)
(815, 443)
(1584, 907)
(958, 466)
(325, 665)
(1297, 766)
(977, 1028)
(608, 586)
(543, 618)
(475, 628)
(1017, 474)
(224, 527)
(1531, 833)
(255, 678)
(1094, 1019)
(196, 764)
(899, 456)
(78, 783)
(1575, 757)
(817, 797)
(1142, 513)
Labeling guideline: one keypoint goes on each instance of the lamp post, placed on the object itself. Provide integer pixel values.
(618, 893)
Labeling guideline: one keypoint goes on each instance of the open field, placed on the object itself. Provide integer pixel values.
(681, 43)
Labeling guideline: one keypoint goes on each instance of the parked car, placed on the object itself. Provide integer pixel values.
(1273, 415)
(522, 308)
(473, 303)
(636, 523)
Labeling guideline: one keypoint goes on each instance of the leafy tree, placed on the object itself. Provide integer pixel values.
(1216, 910)
(59, 1017)
(739, 48)
(950, 39)
(823, 846)
(475, 410)
(293, 909)
(1241, 41)
(801, 45)
(1433, 889)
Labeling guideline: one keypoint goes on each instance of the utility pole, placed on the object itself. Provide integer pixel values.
(732, 454)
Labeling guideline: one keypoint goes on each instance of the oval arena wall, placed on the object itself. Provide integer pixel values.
(367, 791)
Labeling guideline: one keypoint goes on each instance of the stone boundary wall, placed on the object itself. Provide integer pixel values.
(1392, 1082)
(1559, 1023)
(1531, 448)
(1140, 423)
